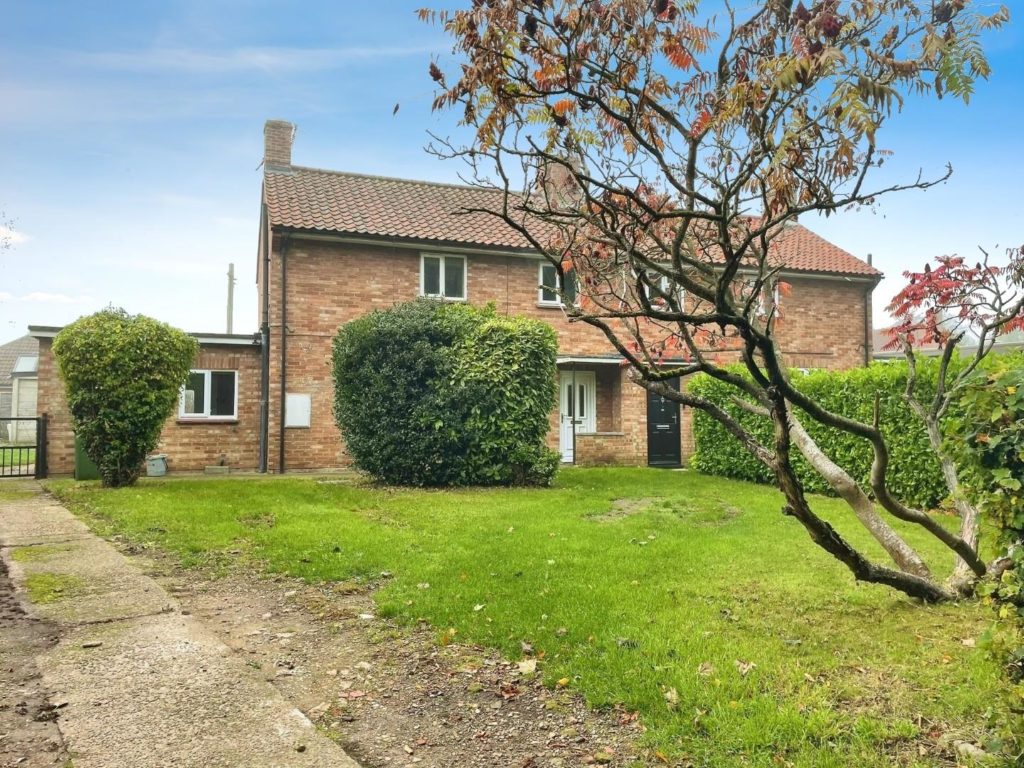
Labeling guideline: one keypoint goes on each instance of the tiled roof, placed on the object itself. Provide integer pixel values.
(11, 351)
(353, 204)
(801, 250)
(328, 201)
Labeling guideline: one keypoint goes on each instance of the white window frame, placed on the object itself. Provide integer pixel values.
(663, 284)
(557, 302)
(207, 386)
(443, 257)
(762, 305)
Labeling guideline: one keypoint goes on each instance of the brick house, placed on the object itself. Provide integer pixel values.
(333, 246)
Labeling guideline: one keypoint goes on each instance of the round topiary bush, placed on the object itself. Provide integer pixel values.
(433, 394)
(122, 374)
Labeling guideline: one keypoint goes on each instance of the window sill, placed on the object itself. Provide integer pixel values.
(548, 305)
(444, 298)
(207, 420)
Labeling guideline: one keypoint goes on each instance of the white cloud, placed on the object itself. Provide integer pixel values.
(266, 59)
(12, 236)
(42, 297)
(4, 296)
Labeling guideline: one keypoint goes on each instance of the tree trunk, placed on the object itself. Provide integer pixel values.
(964, 577)
(826, 537)
(850, 491)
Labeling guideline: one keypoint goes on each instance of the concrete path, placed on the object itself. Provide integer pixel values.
(137, 683)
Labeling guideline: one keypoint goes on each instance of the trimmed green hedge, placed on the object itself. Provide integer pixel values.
(914, 473)
(434, 394)
(122, 374)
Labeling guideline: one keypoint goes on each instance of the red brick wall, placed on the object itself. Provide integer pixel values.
(51, 403)
(193, 445)
(189, 446)
(330, 283)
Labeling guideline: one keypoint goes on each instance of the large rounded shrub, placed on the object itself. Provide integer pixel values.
(122, 374)
(431, 394)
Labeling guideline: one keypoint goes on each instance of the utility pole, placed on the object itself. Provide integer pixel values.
(231, 295)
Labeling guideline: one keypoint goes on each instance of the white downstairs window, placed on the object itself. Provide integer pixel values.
(209, 395)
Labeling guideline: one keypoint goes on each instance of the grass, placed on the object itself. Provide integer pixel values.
(12, 456)
(37, 552)
(46, 588)
(649, 590)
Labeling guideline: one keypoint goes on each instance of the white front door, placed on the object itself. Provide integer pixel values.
(576, 410)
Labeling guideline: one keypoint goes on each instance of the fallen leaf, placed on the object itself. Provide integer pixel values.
(478, 607)
(509, 691)
(744, 667)
(562, 682)
(528, 667)
(706, 669)
(671, 698)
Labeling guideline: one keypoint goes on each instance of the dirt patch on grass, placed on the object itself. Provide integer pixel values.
(705, 516)
(625, 507)
(391, 695)
(29, 737)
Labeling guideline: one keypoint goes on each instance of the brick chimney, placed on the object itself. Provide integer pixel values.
(558, 183)
(277, 143)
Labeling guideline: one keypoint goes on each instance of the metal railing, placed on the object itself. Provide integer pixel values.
(23, 447)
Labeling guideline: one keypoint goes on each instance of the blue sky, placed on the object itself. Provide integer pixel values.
(131, 135)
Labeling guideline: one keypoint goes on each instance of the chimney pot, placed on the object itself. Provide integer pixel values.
(277, 143)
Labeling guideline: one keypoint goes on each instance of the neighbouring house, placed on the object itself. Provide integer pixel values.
(334, 246)
(18, 382)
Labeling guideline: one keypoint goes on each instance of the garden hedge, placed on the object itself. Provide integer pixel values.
(914, 473)
(987, 440)
(434, 394)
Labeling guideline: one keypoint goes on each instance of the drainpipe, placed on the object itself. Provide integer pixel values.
(265, 347)
(286, 242)
(573, 411)
(867, 318)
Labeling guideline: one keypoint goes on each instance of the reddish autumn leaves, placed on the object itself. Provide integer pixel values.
(954, 302)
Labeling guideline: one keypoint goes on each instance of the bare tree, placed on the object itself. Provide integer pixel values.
(655, 154)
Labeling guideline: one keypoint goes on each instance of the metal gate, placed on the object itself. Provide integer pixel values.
(23, 447)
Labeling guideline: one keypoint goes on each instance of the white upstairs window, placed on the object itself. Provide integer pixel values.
(443, 277)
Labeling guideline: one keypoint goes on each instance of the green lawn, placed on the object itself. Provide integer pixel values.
(658, 603)
(15, 456)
